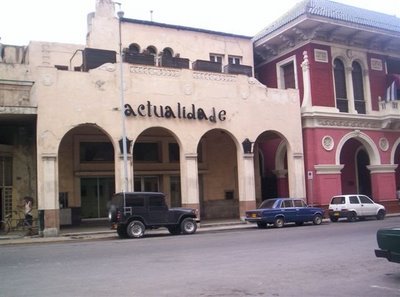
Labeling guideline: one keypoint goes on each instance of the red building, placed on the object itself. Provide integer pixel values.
(345, 62)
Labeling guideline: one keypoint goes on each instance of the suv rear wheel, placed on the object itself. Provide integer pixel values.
(135, 229)
(188, 226)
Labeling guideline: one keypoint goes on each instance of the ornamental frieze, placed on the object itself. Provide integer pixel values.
(348, 123)
(214, 76)
(157, 71)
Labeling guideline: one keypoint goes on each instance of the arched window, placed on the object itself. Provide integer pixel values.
(167, 52)
(152, 50)
(134, 48)
(358, 88)
(340, 86)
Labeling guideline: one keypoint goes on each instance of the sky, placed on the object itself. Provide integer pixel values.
(64, 21)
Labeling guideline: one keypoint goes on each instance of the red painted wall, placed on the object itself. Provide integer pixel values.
(377, 81)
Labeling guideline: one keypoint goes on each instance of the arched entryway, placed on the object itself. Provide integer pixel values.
(271, 167)
(156, 157)
(355, 177)
(86, 174)
(218, 176)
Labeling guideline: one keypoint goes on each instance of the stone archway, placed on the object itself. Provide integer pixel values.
(271, 166)
(156, 157)
(86, 174)
(218, 175)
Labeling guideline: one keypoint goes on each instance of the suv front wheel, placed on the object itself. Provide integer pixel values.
(135, 229)
(188, 226)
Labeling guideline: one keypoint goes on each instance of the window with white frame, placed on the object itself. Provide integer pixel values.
(287, 73)
(216, 58)
(234, 60)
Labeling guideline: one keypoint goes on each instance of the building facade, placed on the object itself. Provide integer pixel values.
(345, 62)
(197, 124)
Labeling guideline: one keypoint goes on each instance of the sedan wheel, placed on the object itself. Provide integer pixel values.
(188, 226)
(279, 222)
(317, 220)
(135, 229)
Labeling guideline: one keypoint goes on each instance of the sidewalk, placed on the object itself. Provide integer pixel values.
(99, 232)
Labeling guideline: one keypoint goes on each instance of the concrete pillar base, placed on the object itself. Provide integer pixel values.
(50, 232)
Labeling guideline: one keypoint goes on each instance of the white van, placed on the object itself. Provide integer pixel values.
(355, 206)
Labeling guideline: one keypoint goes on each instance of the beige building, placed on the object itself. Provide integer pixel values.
(199, 126)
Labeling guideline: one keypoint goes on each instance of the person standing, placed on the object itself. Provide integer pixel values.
(28, 203)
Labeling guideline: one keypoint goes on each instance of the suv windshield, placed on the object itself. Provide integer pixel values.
(338, 200)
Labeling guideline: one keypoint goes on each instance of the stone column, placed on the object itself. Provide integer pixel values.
(49, 195)
(349, 89)
(383, 182)
(247, 199)
(119, 174)
(297, 186)
(190, 182)
(305, 65)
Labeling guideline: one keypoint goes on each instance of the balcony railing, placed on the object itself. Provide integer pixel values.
(342, 104)
(174, 62)
(139, 58)
(203, 65)
(238, 69)
(360, 106)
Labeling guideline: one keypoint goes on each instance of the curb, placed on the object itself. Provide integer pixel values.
(107, 234)
(76, 236)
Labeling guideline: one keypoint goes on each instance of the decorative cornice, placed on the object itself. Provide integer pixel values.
(347, 123)
(335, 119)
(328, 168)
(384, 168)
(157, 71)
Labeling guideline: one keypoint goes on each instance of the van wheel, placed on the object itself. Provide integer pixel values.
(352, 216)
(333, 219)
(381, 215)
(135, 229)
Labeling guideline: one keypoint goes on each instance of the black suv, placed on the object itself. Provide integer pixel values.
(148, 210)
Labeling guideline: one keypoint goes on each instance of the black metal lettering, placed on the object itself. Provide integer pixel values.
(169, 113)
(129, 111)
(140, 110)
(222, 115)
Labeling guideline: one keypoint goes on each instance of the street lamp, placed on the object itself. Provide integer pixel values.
(120, 14)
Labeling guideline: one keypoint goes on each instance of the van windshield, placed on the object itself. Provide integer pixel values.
(338, 200)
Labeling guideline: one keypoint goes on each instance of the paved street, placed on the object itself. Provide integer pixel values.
(333, 259)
